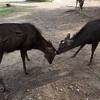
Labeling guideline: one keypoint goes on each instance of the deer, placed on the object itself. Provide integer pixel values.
(24, 37)
(88, 34)
(81, 2)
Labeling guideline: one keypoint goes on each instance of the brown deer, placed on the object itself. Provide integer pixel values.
(23, 37)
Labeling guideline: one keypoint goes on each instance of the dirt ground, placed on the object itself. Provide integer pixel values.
(66, 78)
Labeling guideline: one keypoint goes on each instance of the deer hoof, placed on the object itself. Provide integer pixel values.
(28, 59)
(89, 64)
(4, 90)
(26, 73)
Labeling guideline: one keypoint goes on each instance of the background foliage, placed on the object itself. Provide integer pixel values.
(41, 0)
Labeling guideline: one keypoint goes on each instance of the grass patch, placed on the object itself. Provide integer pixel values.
(5, 12)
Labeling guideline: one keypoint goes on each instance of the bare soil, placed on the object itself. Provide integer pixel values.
(66, 78)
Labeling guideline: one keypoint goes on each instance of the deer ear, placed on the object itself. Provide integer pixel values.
(69, 42)
(68, 36)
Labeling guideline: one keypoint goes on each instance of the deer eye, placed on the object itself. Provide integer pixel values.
(63, 41)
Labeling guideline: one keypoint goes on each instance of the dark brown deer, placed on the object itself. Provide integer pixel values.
(24, 37)
(81, 2)
(89, 34)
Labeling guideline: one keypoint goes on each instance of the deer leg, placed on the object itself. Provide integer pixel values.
(1, 55)
(1, 80)
(76, 3)
(23, 53)
(81, 7)
(2, 83)
(27, 57)
(78, 50)
(94, 46)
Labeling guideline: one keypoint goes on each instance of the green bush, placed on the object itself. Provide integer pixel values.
(41, 0)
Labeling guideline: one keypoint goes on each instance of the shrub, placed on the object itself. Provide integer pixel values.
(41, 0)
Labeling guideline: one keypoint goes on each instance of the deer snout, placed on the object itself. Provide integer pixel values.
(58, 52)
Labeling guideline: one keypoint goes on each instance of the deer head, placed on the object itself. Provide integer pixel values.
(65, 44)
(50, 52)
